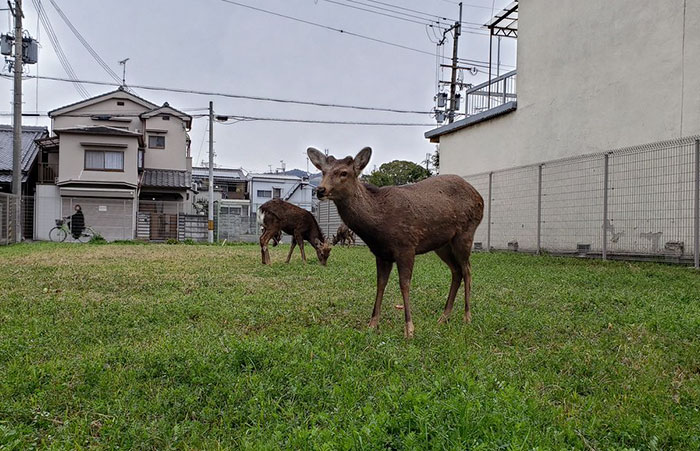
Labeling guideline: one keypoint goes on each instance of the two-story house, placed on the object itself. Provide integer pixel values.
(110, 154)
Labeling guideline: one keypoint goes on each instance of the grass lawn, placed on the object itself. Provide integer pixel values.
(177, 346)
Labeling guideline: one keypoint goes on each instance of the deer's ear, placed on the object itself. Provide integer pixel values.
(361, 159)
(317, 158)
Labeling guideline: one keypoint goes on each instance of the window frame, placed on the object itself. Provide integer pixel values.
(263, 196)
(103, 152)
(153, 135)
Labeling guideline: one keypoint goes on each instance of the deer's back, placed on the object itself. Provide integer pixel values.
(288, 216)
(426, 215)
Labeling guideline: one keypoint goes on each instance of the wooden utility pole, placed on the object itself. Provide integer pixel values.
(453, 80)
(211, 174)
(17, 122)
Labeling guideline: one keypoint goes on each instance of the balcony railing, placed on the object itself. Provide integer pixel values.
(48, 172)
(491, 94)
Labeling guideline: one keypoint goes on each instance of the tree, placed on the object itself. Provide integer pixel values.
(435, 161)
(397, 172)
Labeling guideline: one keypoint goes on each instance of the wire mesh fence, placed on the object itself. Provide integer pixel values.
(638, 202)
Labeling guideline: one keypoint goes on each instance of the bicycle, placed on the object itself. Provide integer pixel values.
(62, 231)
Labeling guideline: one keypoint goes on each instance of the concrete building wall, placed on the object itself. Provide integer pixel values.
(174, 155)
(47, 208)
(71, 165)
(301, 197)
(592, 76)
(80, 117)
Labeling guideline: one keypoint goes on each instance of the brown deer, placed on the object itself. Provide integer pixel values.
(277, 216)
(438, 214)
(344, 236)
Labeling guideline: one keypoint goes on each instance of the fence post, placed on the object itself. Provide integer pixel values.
(539, 210)
(488, 217)
(605, 206)
(696, 208)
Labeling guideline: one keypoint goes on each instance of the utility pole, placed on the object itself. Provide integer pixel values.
(17, 122)
(211, 174)
(453, 80)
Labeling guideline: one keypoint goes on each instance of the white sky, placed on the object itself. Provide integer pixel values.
(210, 45)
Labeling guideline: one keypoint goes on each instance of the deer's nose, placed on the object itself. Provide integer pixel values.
(320, 191)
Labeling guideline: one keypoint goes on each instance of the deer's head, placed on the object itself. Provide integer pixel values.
(323, 250)
(340, 177)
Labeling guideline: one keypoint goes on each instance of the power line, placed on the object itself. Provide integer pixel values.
(339, 30)
(415, 11)
(85, 43)
(53, 39)
(423, 21)
(315, 121)
(236, 96)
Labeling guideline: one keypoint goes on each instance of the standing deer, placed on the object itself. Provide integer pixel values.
(344, 236)
(438, 214)
(277, 216)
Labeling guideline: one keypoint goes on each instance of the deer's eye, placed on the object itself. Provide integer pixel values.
(343, 173)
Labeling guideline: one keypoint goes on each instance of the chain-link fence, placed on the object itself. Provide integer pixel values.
(638, 202)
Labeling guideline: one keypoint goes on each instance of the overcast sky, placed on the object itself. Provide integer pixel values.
(212, 45)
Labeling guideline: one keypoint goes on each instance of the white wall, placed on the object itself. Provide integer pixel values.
(592, 76)
(71, 163)
(47, 208)
(174, 156)
(302, 197)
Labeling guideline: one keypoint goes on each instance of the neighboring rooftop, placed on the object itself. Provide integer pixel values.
(29, 149)
(220, 173)
(166, 178)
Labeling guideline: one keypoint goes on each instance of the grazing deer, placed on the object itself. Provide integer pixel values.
(438, 214)
(277, 216)
(344, 236)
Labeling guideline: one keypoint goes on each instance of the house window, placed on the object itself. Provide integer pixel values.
(264, 193)
(276, 193)
(166, 117)
(104, 160)
(236, 211)
(156, 142)
(120, 103)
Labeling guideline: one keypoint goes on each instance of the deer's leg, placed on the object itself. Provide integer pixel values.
(405, 267)
(383, 271)
(445, 253)
(300, 242)
(264, 240)
(467, 272)
(291, 249)
(462, 249)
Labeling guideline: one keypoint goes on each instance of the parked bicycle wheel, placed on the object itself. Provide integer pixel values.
(86, 235)
(57, 234)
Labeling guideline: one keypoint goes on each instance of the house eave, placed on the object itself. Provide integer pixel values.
(435, 134)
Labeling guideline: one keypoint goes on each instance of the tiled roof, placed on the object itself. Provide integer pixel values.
(29, 149)
(166, 178)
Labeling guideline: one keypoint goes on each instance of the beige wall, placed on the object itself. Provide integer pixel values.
(592, 76)
(71, 166)
(107, 106)
(175, 152)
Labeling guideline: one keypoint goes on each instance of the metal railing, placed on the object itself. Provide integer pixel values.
(639, 202)
(490, 94)
(48, 173)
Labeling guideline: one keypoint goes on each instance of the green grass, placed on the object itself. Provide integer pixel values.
(173, 346)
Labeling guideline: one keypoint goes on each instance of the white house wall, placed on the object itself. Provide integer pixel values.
(592, 76)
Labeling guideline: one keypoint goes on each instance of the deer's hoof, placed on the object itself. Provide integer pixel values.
(408, 330)
(443, 319)
(374, 324)
(468, 317)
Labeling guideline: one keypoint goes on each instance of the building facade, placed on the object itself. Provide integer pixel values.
(593, 76)
(120, 157)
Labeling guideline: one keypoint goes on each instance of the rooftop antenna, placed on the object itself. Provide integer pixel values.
(123, 64)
